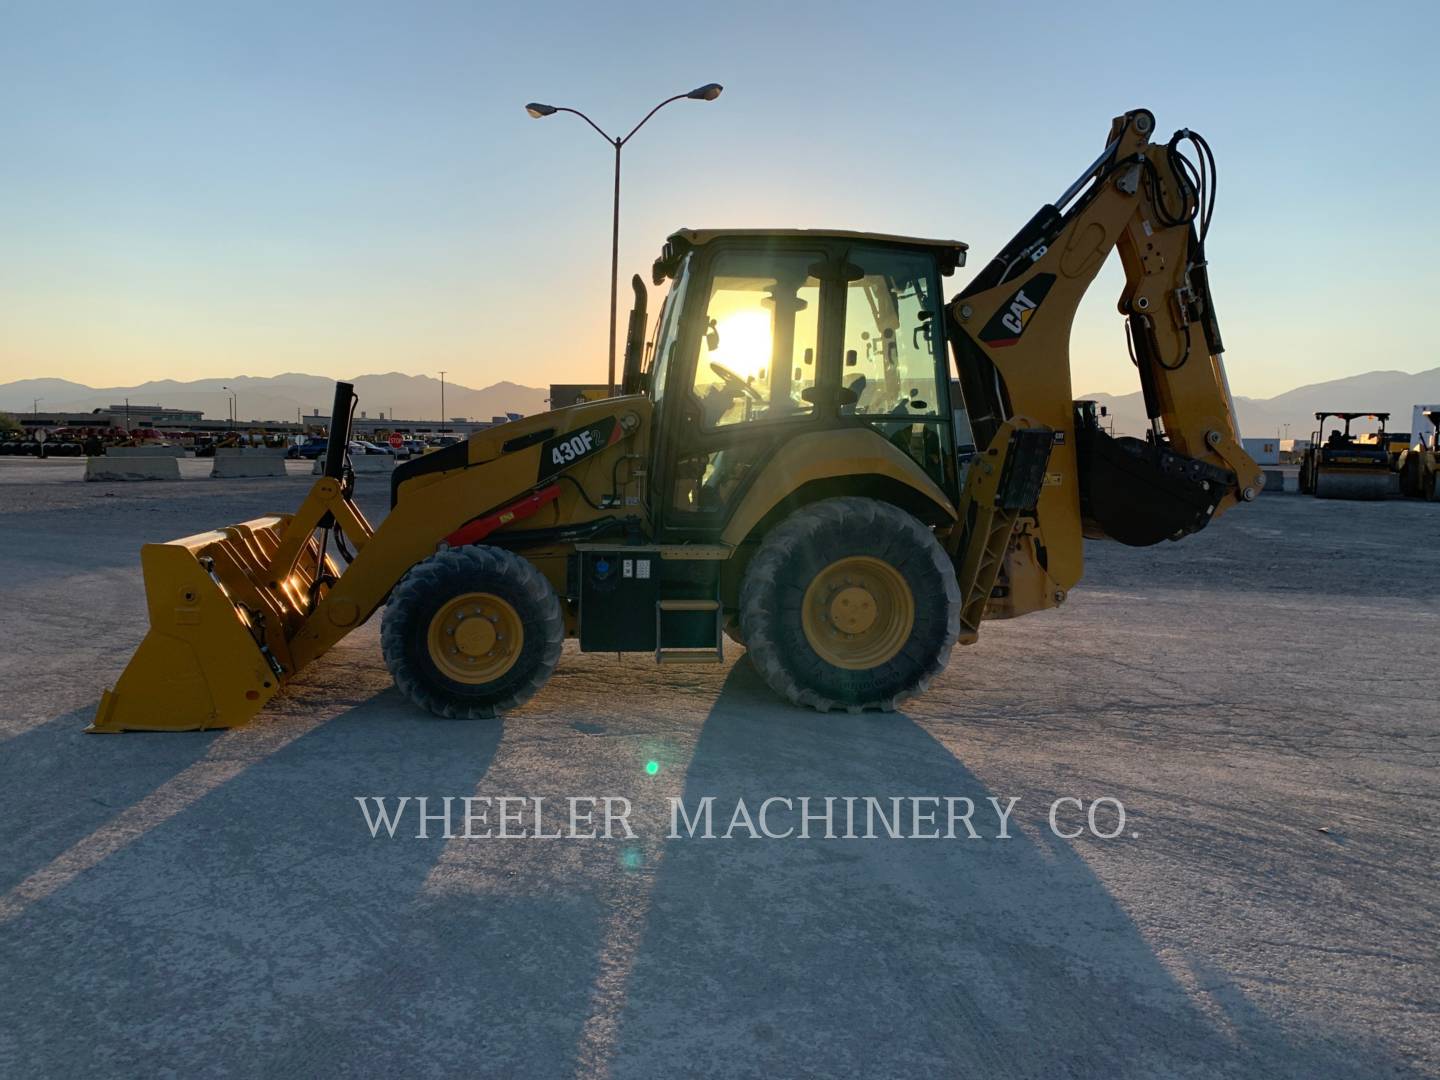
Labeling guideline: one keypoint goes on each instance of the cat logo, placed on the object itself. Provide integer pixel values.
(1007, 324)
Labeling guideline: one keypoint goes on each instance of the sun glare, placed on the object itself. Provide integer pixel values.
(745, 345)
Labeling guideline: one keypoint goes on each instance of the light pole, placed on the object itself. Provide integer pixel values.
(232, 406)
(708, 92)
(35, 406)
(442, 403)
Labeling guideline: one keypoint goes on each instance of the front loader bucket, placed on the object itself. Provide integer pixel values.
(225, 606)
(215, 651)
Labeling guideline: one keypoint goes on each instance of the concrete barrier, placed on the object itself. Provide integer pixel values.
(373, 463)
(362, 463)
(237, 461)
(134, 463)
(1274, 482)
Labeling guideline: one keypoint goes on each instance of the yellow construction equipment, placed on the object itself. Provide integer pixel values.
(1348, 465)
(1419, 465)
(782, 465)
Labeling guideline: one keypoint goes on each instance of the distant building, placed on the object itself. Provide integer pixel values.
(156, 416)
(1263, 451)
(132, 417)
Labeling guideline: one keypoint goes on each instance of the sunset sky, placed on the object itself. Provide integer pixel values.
(192, 190)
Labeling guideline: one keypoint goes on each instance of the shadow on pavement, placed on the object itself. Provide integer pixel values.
(259, 930)
(53, 761)
(908, 957)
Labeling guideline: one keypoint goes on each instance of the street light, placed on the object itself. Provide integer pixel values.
(233, 409)
(708, 92)
(35, 406)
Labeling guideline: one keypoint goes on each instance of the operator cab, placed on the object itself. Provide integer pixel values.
(766, 335)
(1369, 449)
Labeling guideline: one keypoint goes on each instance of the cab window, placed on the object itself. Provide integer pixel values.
(667, 332)
(758, 347)
(892, 319)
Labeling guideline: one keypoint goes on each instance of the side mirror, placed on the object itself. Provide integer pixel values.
(712, 336)
(633, 381)
(1104, 410)
(809, 357)
(851, 358)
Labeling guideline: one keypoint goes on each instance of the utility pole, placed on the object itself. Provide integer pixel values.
(127, 414)
(35, 406)
(537, 110)
(442, 403)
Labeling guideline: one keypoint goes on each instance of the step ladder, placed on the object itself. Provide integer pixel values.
(703, 655)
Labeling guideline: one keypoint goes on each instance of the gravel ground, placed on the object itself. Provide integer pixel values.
(1260, 698)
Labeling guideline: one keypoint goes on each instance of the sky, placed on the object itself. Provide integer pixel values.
(205, 190)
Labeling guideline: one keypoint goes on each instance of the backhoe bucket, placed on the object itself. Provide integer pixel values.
(215, 649)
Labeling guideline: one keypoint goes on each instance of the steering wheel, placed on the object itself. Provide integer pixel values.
(735, 383)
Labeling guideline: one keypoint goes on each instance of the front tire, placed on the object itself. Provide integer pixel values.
(472, 632)
(850, 603)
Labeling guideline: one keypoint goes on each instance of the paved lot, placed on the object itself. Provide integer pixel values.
(1260, 698)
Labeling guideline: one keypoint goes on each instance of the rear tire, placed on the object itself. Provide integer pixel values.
(850, 603)
(450, 631)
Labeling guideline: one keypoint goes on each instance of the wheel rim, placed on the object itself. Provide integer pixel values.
(475, 638)
(858, 613)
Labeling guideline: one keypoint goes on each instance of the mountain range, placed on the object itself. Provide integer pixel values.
(279, 397)
(417, 397)
(1395, 392)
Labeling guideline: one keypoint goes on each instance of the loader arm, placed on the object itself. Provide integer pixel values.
(1010, 334)
(237, 613)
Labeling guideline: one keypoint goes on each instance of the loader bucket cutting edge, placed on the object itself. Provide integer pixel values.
(201, 664)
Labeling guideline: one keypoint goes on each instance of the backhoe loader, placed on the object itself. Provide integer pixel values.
(781, 467)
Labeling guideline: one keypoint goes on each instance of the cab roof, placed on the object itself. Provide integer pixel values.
(681, 240)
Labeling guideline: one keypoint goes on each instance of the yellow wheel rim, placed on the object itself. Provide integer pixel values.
(858, 613)
(475, 638)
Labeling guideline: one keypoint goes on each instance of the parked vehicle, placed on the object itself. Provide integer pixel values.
(361, 446)
(308, 450)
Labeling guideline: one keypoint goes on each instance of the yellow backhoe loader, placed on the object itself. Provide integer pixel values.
(1420, 464)
(1346, 464)
(781, 466)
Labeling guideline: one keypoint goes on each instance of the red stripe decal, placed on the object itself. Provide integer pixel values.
(472, 532)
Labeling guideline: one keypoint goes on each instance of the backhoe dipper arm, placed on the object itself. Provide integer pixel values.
(1010, 330)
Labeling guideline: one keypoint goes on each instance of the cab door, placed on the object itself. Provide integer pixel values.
(895, 371)
(755, 351)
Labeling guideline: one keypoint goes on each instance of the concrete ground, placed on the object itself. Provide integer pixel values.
(1260, 698)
